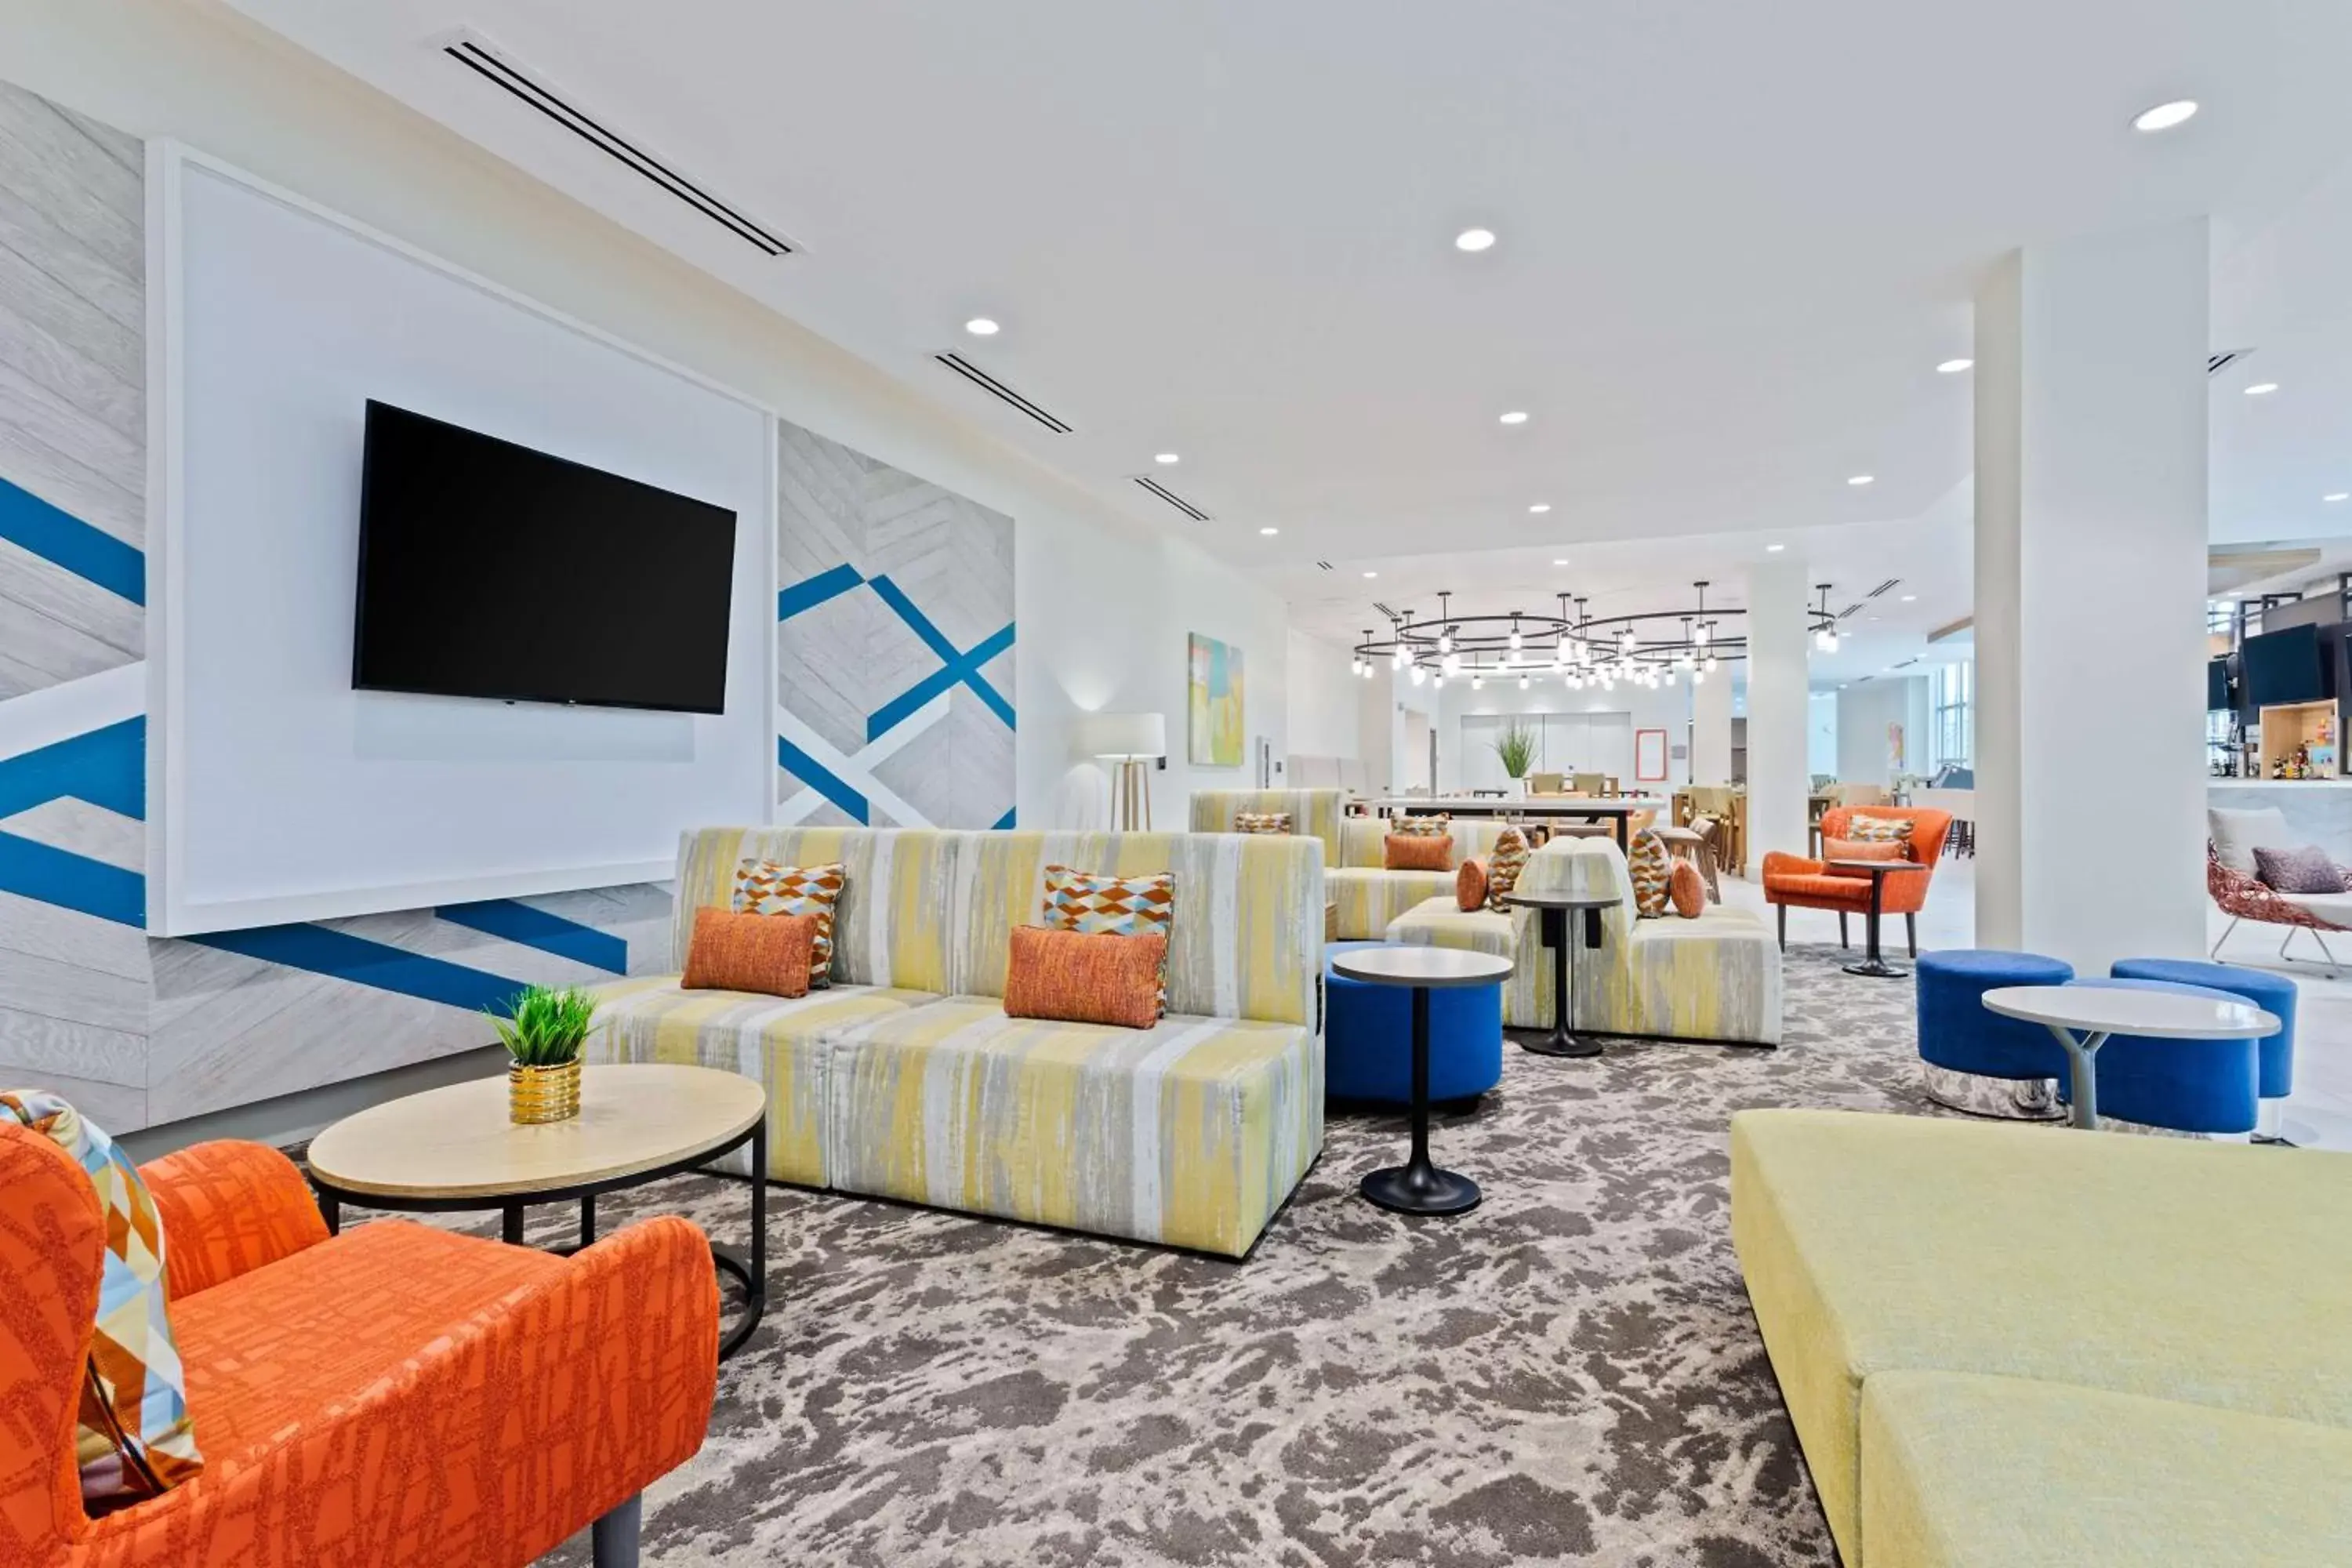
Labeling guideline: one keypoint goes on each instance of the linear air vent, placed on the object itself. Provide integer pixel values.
(999, 391)
(483, 61)
(1882, 588)
(1854, 608)
(1325, 565)
(1908, 662)
(2216, 363)
(1171, 498)
(1386, 613)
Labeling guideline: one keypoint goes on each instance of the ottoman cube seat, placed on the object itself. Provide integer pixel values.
(1367, 1037)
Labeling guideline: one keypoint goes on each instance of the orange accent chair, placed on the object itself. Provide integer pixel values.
(1792, 879)
(396, 1396)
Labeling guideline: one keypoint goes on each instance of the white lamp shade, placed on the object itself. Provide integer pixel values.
(1123, 735)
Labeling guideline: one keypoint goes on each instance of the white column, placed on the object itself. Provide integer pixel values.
(1710, 753)
(1778, 782)
(2090, 588)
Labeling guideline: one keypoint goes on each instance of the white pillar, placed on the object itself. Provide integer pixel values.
(1710, 746)
(2090, 590)
(1778, 782)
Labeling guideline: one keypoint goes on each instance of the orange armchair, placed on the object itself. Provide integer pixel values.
(396, 1396)
(1806, 884)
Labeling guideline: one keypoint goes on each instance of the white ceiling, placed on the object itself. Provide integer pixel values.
(1735, 240)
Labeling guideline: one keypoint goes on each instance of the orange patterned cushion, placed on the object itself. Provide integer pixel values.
(1097, 904)
(1440, 827)
(1262, 821)
(1470, 885)
(769, 954)
(765, 887)
(1861, 849)
(1075, 978)
(1418, 852)
(1687, 890)
(1503, 871)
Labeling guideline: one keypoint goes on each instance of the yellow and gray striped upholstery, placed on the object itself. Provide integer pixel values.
(1314, 813)
(782, 1042)
(1714, 978)
(1369, 898)
(906, 1080)
(1363, 840)
(1190, 1133)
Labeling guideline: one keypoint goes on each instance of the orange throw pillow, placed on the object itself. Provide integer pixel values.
(1470, 885)
(769, 954)
(1419, 852)
(1073, 977)
(1687, 890)
(1856, 849)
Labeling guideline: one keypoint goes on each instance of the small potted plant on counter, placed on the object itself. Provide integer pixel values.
(543, 1032)
(1517, 748)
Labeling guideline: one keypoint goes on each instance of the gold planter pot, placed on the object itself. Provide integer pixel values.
(542, 1094)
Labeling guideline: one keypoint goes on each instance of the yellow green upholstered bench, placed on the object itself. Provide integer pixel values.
(1960, 1471)
(2212, 1275)
(906, 1080)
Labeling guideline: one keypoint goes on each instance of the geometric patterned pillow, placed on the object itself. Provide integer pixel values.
(133, 1437)
(765, 887)
(1508, 859)
(1422, 826)
(1097, 905)
(1262, 821)
(1879, 830)
(1653, 874)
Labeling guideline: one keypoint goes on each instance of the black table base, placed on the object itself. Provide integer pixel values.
(748, 1267)
(1552, 921)
(1872, 966)
(1418, 1186)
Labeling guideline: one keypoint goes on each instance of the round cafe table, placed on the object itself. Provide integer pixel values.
(2083, 1017)
(1552, 912)
(1418, 1186)
(1872, 965)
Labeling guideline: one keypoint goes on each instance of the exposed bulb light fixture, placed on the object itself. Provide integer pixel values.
(1698, 676)
(2164, 116)
(1445, 640)
(1516, 417)
(1420, 674)
(1516, 640)
(1670, 677)
(2262, 389)
(1451, 664)
(1477, 681)
(981, 327)
(1710, 662)
(1474, 239)
(1439, 683)
(1954, 366)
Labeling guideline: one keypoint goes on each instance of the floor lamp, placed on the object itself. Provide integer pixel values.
(1132, 742)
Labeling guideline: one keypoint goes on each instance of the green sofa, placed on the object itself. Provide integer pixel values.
(2011, 1347)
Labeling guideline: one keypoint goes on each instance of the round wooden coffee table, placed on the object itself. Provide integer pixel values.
(451, 1150)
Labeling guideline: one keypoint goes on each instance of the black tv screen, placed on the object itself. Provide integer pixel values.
(2217, 684)
(2285, 666)
(490, 570)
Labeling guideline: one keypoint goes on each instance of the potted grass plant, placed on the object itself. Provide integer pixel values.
(543, 1031)
(1515, 745)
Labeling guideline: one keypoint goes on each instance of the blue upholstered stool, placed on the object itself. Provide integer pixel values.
(1972, 1059)
(1367, 1037)
(2189, 1086)
(2273, 994)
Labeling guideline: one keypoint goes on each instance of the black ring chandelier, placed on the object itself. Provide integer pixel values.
(1579, 650)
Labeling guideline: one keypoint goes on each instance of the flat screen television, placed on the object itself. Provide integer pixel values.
(2217, 684)
(490, 570)
(2285, 666)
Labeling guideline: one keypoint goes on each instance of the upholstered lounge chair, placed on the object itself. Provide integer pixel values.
(1809, 884)
(392, 1397)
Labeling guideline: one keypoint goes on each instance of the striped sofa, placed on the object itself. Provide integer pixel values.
(1367, 895)
(1714, 978)
(906, 1080)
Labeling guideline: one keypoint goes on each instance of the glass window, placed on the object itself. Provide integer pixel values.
(1951, 728)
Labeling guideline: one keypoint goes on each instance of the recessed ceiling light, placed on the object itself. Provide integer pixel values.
(981, 327)
(1774, 548)
(1474, 239)
(1862, 479)
(2164, 116)
(1954, 366)
(1164, 457)
(1269, 531)
(1910, 598)
(2340, 495)
(1541, 506)
(2262, 389)
(1560, 561)
(1371, 574)
(1516, 417)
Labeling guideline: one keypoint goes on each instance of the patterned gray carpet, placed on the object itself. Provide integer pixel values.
(1569, 1375)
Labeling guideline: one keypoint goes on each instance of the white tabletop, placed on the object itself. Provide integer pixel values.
(1436, 966)
(2166, 1015)
(458, 1142)
(1526, 806)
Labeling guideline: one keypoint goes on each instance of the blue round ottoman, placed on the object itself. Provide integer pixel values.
(1367, 1037)
(1974, 1060)
(2273, 994)
(2188, 1086)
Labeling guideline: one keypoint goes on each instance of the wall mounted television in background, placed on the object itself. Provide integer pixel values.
(489, 570)
(2285, 666)
(2217, 684)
